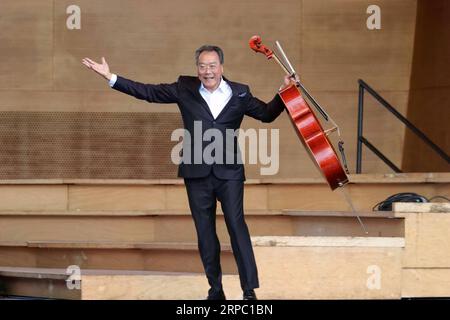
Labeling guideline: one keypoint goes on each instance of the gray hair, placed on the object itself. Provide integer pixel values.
(209, 48)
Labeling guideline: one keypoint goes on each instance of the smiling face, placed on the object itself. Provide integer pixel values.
(209, 70)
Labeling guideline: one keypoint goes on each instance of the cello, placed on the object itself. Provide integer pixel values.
(307, 126)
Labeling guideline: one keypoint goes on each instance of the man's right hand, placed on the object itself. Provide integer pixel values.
(101, 69)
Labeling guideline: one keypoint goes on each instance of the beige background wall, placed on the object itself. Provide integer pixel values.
(153, 41)
(429, 101)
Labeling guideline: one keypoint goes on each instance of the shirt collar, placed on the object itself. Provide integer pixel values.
(222, 86)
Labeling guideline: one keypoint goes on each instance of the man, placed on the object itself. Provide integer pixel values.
(213, 102)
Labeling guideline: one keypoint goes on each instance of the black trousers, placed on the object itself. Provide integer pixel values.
(202, 194)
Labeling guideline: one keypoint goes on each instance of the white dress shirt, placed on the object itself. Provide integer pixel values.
(113, 80)
(216, 100)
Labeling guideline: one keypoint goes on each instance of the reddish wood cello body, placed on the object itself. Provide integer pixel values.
(308, 127)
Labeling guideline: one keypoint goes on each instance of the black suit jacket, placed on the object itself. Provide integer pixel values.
(185, 93)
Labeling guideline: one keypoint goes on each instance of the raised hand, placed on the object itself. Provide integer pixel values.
(288, 80)
(102, 69)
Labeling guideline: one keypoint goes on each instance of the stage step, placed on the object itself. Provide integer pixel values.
(289, 268)
(169, 226)
(154, 256)
(35, 282)
(157, 239)
(109, 284)
(309, 194)
(329, 267)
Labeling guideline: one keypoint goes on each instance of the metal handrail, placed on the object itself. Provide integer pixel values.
(361, 139)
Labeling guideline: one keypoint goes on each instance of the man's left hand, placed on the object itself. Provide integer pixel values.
(288, 80)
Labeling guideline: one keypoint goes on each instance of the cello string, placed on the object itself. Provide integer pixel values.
(257, 46)
(319, 108)
(309, 96)
(280, 49)
(314, 102)
(293, 73)
(277, 59)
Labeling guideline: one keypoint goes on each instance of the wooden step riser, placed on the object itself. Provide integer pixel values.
(285, 273)
(191, 287)
(173, 197)
(180, 228)
(182, 287)
(325, 268)
(40, 288)
(329, 272)
(114, 259)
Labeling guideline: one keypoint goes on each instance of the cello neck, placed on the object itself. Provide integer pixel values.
(256, 45)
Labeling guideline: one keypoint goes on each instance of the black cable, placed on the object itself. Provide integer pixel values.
(386, 205)
(441, 197)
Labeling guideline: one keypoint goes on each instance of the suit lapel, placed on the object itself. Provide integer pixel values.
(234, 94)
(194, 89)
